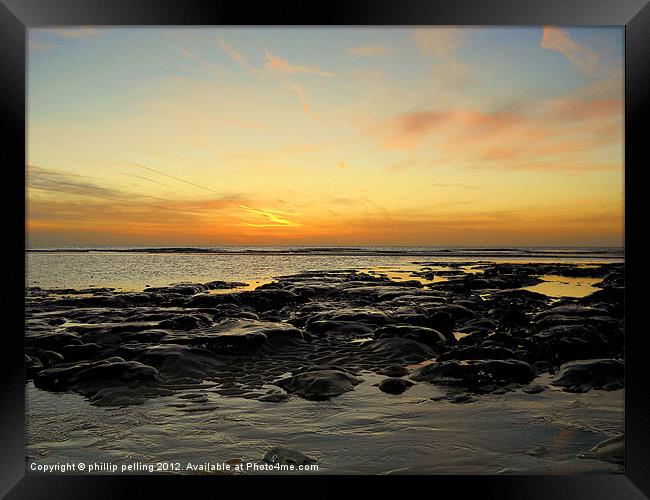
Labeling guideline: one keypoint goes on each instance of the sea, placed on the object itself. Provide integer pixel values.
(134, 268)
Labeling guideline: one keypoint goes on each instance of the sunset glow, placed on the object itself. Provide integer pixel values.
(423, 136)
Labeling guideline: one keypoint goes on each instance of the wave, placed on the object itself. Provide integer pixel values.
(360, 250)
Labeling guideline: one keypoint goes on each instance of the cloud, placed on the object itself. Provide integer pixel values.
(406, 130)
(208, 67)
(205, 188)
(65, 183)
(72, 32)
(560, 41)
(279, 65)
(276, 218)
(66, 205)
(40, 46)
(570, 134)
(371, 50)
(298, 90)
(441, 42)
(342, 165)
(232, 52)
(301, 95)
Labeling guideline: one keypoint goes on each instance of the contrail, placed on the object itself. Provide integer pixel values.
(141, 177)
(175, 178)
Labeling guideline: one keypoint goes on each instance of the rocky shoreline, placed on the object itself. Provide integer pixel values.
(314, 335)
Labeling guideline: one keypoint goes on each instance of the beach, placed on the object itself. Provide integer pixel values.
(364, 360)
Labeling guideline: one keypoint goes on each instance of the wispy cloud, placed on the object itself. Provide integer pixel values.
(72, 32)
(40, 46)
(66, 183)
(297, 89)
(342, 165)
(280, 65)
(143, 177)
(371, 50)
(236, 56)
(210, 68)
(560, 41)
(276, 218)
(569, 134)
(205, 188)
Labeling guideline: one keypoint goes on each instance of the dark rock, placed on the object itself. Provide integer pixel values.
(610, 450)
(394, 385)
(426, 336)
(237, 336)
(475, 374)
(397, 349)
(472, 352)
(582, 376)
(319, 384)
(444, 323)
(340, 328)
(287, 456)
(394, 371)
(88, 378)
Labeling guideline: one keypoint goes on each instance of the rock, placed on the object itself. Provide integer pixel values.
(426, 336)
(476, 374)
(51, 358)
(340, 328)
(365, 315)
(287, 456)
(394, 371)
(267, 298)
(239, 336)
(90, 378)
(477, 352)
(185, 322)
(394, 385)
(443, 322)
(571, 310)
(397, 349)
(79, 352)
(611, 450)
(32, 365)
(538, 452)
(462, 398)
(534, 389)
(584, 375)
(180, 362)
(319, 384)
(274, 396)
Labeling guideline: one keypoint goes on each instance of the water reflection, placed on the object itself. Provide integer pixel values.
(563, 286)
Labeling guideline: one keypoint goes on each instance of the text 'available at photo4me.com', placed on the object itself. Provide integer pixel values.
(167, 467)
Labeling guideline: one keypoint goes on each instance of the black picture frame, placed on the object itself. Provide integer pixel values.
(18, 15)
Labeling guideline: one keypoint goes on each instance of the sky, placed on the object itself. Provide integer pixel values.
(325, 136)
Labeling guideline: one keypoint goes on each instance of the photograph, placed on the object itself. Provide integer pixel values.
(325, 250)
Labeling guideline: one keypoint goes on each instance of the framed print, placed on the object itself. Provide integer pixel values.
(272, 245)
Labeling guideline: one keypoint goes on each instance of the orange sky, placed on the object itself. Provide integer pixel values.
(437, 136)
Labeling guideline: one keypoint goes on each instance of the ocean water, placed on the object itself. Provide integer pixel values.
(131, 268)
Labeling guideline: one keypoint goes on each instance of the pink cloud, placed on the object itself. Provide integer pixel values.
(560, 41)
(231, 51)
(280, 65)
